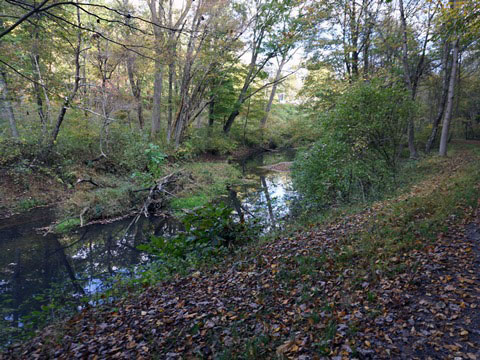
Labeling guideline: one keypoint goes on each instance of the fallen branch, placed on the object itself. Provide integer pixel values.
(158, 187)
(79, 181)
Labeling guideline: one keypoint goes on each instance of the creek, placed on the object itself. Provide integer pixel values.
(82, 261)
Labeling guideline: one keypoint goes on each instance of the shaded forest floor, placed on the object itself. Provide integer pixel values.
(396, 280)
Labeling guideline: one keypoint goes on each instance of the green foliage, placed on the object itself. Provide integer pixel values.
(209, 182)
(155, 163)
(67, 225)
(189, 202)
(155, 160)
(30, 203)
(206, 140)
(360, 146)
(205, 230)
(104, 202)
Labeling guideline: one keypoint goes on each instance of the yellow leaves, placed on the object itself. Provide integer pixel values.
(291, 346)
(451, 347)
(466, 280)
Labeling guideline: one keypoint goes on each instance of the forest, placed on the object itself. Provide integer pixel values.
(239, 179)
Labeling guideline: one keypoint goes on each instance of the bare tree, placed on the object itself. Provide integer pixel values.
(7, 106)
(412, 78)
(449, 106)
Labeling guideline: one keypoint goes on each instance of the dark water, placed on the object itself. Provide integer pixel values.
(32, 263)
(268, 195)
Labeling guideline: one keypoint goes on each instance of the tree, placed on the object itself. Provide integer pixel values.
(464, 19)
(7, 106)
(443, 97)
(77, 48)
(360, 144)
(262, 48)
(449, 105)
(412, 76)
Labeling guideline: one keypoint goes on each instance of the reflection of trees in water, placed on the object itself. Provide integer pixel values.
(32, 264)
(268, 200)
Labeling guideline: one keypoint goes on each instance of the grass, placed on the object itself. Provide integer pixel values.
(67, 225)
(29, 203)
(415, 218)
(209, 180)
(440, 192)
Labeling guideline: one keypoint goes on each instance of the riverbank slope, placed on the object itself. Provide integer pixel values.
(397, 279)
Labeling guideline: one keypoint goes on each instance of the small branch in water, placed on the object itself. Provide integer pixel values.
(157, 187)
(79, 181)
(81, 215)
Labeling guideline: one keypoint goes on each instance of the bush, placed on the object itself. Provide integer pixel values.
(360, 146)
(205, 229)
(206, 140)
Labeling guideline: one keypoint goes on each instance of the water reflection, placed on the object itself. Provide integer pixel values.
(31, 263)
(82, 261)
(268, 195)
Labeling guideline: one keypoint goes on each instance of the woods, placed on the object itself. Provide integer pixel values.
(229, 134)
(165, 62)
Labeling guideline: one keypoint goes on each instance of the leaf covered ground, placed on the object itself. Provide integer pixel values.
(396, 280)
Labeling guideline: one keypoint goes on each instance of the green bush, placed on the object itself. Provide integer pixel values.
(360, 145)
(205, 230)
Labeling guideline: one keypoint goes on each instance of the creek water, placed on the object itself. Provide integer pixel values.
(81, 261)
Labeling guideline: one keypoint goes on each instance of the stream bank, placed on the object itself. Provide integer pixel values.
(396, 279)
(36, 267)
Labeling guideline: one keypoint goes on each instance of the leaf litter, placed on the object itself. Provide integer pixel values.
(314, 294)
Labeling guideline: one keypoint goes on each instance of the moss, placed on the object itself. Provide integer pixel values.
(103, 202)
(30, 203)
(189, 202)
(209, 180)
(67, 225)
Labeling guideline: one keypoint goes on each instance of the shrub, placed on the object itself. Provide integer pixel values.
(360, 146)
(205, 229)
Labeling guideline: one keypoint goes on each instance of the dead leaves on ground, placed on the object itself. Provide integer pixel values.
(307, 296)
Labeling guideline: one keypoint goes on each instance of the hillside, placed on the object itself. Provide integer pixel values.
(395, 280)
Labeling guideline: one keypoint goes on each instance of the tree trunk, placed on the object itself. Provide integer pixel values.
(263, 122)
(136, 90)
(171, 80)
(211, 113)
(411, 139)
(354, 36)
(37, 91)
(157, 97)
(70, 97)
(443, 100)
(449, 106)
(408, 80)
(7, 106)
(231, 118)
(253, 71)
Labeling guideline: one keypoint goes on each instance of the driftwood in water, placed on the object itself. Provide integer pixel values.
(279, 167)
(159, 193)
(157, 196)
